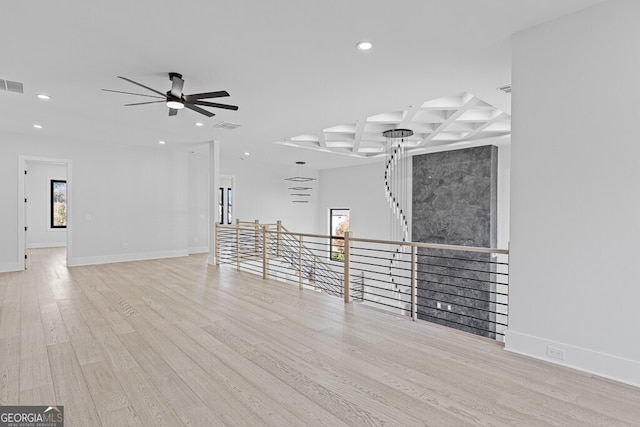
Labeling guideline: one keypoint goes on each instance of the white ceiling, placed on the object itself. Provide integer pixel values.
(290, 65)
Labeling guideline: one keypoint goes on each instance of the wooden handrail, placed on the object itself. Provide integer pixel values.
(409, 244)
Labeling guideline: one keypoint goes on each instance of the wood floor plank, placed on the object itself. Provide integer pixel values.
(178, 342)
(71, 388)
(9, 371)
(52, 324)
(10, 307)
(114, 406)
(42, 395)
(34, 359)
(87, 349)
(190, 409)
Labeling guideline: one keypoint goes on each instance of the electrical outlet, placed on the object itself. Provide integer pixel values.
(449, 307)
(125, 245)
(438, 305)
(556, 353)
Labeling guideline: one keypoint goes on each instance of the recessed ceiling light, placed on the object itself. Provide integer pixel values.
(247, 153)
(43, 96)
(364, 45)
(37, 126)
(161, 142)
(199, 124)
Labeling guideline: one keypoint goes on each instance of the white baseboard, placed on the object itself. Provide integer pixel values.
(199, 250)
(141, 256)
(605, 365)
(6, 267)
(47, 245)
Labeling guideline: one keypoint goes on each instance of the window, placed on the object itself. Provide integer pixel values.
(58, 204)
(229, 205)
(338, 224)
(221, 205)
(228, 213)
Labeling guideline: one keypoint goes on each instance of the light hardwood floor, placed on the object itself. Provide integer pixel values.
(176, 342)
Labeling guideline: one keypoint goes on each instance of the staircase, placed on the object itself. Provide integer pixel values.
(287, 258)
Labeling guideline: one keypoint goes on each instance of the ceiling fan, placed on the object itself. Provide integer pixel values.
(176, 100)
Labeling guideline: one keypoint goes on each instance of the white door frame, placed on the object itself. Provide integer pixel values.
(22, 166)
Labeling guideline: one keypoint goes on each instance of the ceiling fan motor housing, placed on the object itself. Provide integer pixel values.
(173, 98)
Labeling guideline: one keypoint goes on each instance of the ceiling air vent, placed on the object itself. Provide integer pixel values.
(505, 89)
(226, 126)
(11, 86)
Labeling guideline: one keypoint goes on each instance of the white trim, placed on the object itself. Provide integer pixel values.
(22, 165)
(594, 362)
(46, 245)
(7, 267)
(199, 250)
(140, 256)
(214, 180)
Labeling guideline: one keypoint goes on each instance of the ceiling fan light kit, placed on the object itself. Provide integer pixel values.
(176, 100)
(175, 104)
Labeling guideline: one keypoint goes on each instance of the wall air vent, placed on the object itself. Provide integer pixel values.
(226, 126)
(505, 89)
(10, 86)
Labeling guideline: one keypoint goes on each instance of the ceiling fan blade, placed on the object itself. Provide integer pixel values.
(215, 105)
(143, 103)
(207, 95)
(131, 93)
(199, 110)
(173, 111)
(141, 85)
(176, 86)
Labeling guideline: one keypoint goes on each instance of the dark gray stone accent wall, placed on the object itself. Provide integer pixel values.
(455, 202)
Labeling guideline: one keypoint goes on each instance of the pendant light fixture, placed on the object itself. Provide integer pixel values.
(300, 193)
(396, 182)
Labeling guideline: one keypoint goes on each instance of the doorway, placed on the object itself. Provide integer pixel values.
(44, 205)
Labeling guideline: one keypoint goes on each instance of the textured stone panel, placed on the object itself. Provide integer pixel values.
(455, 202)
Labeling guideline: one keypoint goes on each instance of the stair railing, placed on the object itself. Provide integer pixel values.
(456, 286)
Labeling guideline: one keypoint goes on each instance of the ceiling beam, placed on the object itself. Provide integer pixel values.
(452, 118)
(357, 139)
(485, 125)
(321, 140)
(409, 114)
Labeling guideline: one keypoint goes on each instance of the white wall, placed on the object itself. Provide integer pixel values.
(38, 208)
(122, 196)
(361, 188)
(198, 203)
(262, 193)
(504, 193)
(574, 195)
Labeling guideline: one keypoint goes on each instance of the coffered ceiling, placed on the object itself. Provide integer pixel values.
(442, 121)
